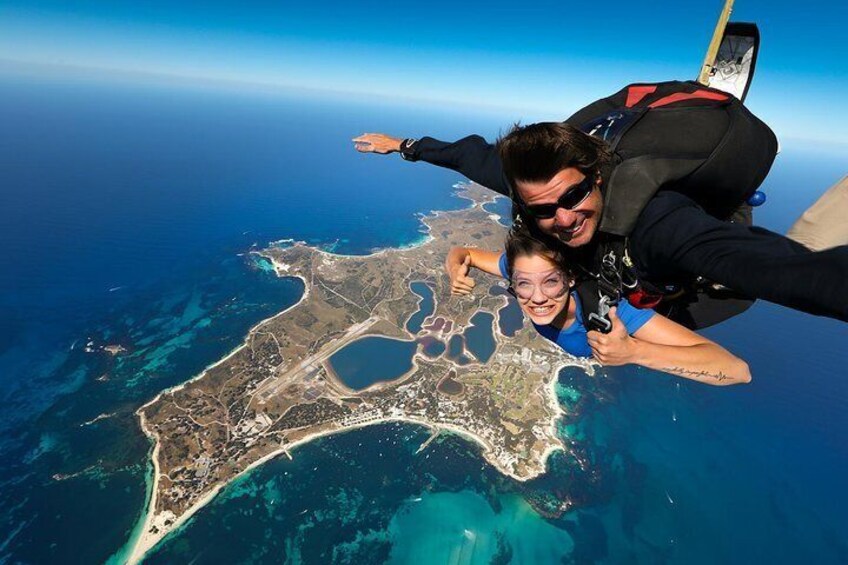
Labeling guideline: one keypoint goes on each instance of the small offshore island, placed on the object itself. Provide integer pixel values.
(280, 389)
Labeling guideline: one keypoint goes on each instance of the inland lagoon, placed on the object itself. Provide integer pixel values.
(510, 318)
(425, 306)
(432, 347)
(372, 359)
(478, 336)
(456, 350)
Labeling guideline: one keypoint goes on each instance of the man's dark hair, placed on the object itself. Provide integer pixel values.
(521, 241)
(537, 152)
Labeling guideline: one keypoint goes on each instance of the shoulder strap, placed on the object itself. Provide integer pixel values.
(612, 126)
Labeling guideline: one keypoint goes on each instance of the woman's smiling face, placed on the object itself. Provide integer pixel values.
(541, 288)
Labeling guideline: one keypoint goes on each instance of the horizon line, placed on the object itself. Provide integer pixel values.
(42, 69)
(149, 76)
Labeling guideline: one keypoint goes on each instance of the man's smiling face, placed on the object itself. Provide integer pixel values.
(573, 227)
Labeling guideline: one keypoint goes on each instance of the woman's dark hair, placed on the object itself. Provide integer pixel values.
(537, 152)
(521, 241)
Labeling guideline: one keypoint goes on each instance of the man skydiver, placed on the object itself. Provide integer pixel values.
(642, 186)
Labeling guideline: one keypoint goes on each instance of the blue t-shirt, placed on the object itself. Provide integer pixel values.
(573, 338)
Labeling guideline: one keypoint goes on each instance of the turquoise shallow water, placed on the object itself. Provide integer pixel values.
(658, 470)
(84, 461)
(464, 528)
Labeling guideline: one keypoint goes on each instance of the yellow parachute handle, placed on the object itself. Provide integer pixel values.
(712, 50)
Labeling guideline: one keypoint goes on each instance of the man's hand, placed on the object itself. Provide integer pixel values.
(616, 347)
(376, 143)
(457, 265)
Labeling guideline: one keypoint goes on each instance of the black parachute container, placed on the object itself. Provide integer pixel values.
(677, 136)
(705, 167)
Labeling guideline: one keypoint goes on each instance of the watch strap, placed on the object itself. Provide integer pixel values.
(407, 149)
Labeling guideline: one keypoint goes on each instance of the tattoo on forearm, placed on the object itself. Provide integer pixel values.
(688, 372)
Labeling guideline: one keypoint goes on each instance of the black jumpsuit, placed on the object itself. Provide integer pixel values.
(675, 239)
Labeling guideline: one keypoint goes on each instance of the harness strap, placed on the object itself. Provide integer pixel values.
(601, 291)
(593, 310)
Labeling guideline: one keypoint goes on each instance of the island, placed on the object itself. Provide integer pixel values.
(308, 371)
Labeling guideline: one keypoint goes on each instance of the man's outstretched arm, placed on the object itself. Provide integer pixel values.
(675, 234)
(471, 156)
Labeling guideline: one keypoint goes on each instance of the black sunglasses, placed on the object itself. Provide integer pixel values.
(570, 200)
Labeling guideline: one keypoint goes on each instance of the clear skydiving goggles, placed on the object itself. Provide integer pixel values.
(553, 284)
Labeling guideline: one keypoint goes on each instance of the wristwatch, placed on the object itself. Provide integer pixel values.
(407, 149)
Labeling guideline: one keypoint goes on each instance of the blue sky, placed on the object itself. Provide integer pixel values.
(530, 60)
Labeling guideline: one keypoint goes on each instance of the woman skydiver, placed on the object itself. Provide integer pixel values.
(542, 284)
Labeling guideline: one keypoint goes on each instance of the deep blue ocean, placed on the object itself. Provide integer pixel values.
(127, 212)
